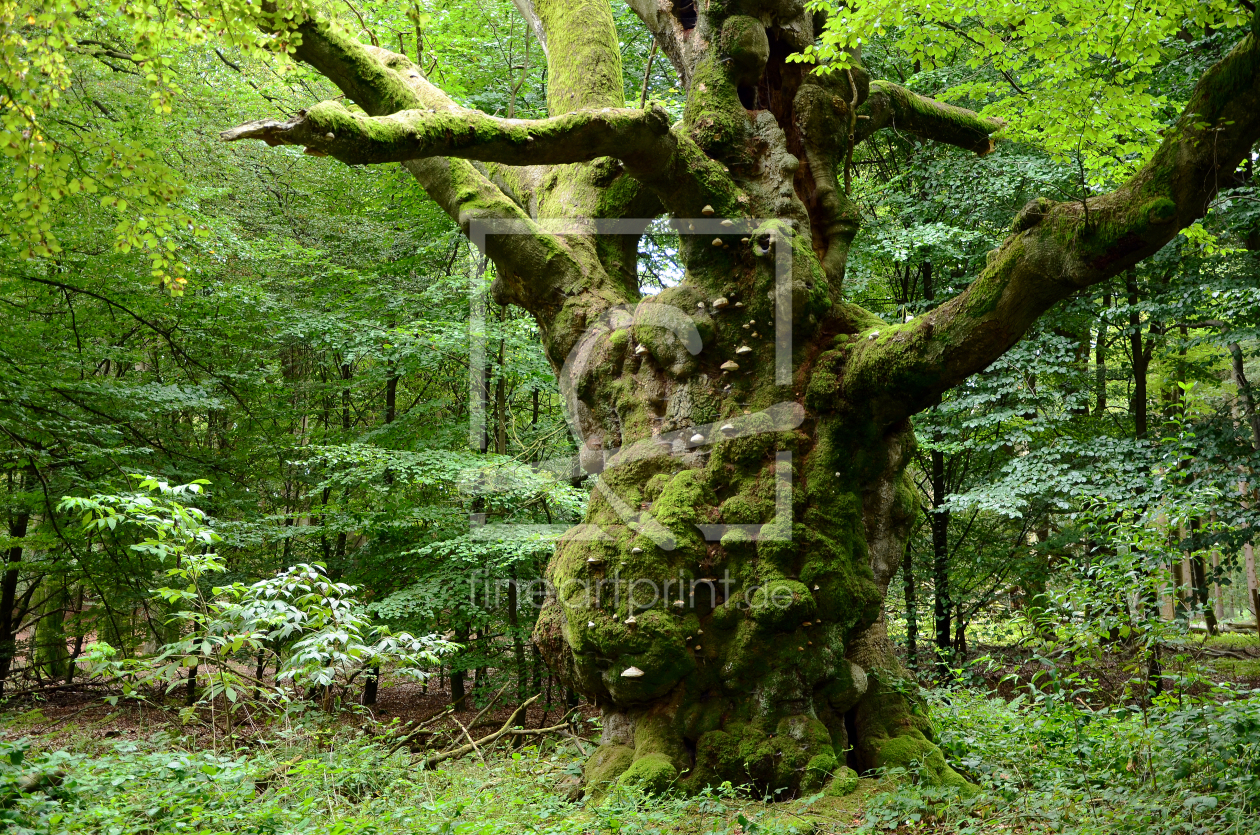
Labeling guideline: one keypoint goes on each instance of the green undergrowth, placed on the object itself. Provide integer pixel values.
(1041, 765)
(1054, 764)
(318, 778)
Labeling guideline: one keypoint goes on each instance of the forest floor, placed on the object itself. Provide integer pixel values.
(1051, 763)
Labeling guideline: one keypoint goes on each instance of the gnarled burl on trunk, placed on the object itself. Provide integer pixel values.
(782, 483)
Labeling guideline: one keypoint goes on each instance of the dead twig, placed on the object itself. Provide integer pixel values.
(471, 741)
(489, 705)
(429, 762)
(419, 729)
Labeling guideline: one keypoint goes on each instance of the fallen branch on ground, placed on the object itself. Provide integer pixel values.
(420, 729)
(429, 762)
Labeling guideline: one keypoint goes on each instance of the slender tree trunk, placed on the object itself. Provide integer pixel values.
(943, 604)
(346, 375)
(459, 698)
(1253, 585)
(938, 521)
(8, 595)
(77, 650)
(51, 655)
(1253, 420)
(960, 637)
(912, 608)
(1100, 360)
(482, 680)
(1198, 567)
(1141, 359)
(1218, 599)
(372, 681)
(260, 669)
(391, 397)
(1180, 581)
(500, 404)
(1244, 392)
(518, 642)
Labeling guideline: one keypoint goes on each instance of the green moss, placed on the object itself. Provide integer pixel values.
(844, 690)
(605, 766)
(1160, 210)
(669, 336)
(915, 753)
(700, 718)
(653, 774)
(655, 485)
(378, 89)
(714, 117)
(818, 771)
(682, 500)
(583, 59)
(742, 509)
(782, 604)
(744, 43)
(1032, 214)
(654, 733)
(718, 760)
(844, 782)
(893, 733)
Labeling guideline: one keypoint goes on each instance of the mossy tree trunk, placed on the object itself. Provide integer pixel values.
(779, 674)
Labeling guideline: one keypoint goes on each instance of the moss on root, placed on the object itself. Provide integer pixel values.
(652, 773)
(894, 732)
(605, 767)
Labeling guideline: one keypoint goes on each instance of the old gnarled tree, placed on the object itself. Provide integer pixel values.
(779, 685)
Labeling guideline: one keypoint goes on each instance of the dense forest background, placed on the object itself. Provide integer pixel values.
(296, 333)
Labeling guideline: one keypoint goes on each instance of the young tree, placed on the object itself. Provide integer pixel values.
(689, 420)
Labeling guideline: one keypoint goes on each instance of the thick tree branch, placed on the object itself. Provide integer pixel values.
(583, 57)
(411, 120)
(527, 10)
(1056, 249)
(330, 129)
(668, 33)
(535, 270)
(892, 106)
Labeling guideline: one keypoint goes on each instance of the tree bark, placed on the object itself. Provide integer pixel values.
(1100, 360)
(943, 605)
(518, 643)
(459, 696)
(8, 595)
(1141, 360)
(1253, 421)
(1253, 587)
(912, 608)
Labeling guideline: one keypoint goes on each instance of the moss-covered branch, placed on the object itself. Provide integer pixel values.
(583, 55)
(331, 129)
(892, 106)
(1056, 249)
(535, 269)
